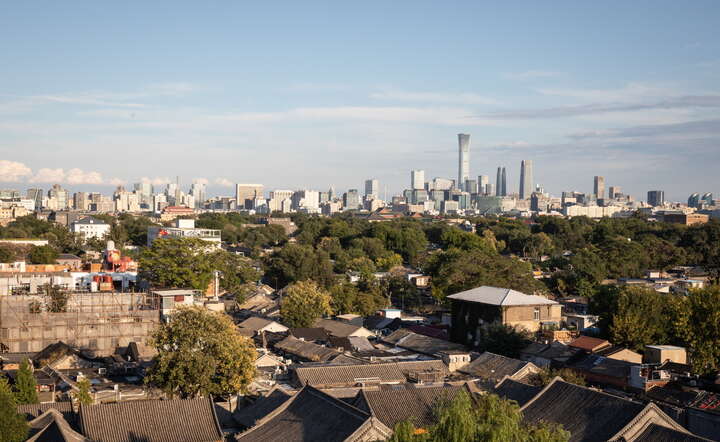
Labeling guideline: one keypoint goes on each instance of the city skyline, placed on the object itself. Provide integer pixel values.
(321, 101)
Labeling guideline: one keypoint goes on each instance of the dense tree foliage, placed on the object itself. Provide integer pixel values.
(83, 395)
(304, 303)
(503, 340)
(546, 375)
(190, 263)
(13, 427)
(480, 418)
(25, 385)
(42, 255)
(200, 353)
(296, 262)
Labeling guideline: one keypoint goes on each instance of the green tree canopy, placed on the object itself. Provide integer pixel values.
(201, 353)
(296, 262)
(25, 385)
(13, 427)
(42, 255)
(83, 395)
(304, 303)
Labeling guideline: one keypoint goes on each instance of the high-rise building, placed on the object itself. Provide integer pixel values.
(307, 200)
(197, 190)
(145, 191)
(81, 201)
(599, 187)
(526, 179)
(707, 199)
(489, 189)
(417, 179)
(463, 160)
(351, 199)
(504, 182)
(498, 182)
(245, 194)
(471, 186)
(656, 198)
(37, 196)
(482, 182)
(614, 192)
(372, 188)
(58, 198)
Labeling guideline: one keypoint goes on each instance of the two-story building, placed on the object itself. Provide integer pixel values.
(482, 306)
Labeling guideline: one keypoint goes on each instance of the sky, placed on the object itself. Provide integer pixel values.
(313, 94)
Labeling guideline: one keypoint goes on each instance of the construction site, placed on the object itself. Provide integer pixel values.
(95, 322)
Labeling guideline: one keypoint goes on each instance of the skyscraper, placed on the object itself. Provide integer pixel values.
(614, 191)
(656, 197)
(504, 182)
(599, 187)
(463, 160)
(417, 179)
(246, 193)
(197, 190)
(372, 188)
(482, 182)
(526, 179)
(498, 182)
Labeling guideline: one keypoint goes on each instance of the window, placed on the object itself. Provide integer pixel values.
(536, 314)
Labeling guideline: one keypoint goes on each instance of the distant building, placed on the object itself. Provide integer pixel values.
(417, 179)
(37, 196)
(526, 179)
(245, 194)
(687, 219)
(372, 188)
(504, 182)
(599, 187)
(169, 213)
(58, 198)
(463, 160)
(306, 200)
(351, 199)
(482, 182)
(90, 227)
(614, 192)
(656, 198)
(184, 228)
(197, 190)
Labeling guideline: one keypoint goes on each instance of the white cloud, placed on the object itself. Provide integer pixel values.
(47, 175)
(201, 181)
(117, 182)
(628, 93)
(12, 171)
(434, 97)
(78, 176)
(157, 181)
(224, 182)
(533, 74)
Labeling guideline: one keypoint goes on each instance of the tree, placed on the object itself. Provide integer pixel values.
(482, 418)
(83, 395)
(503, 340)
(43, 255)
(304, 304)
(641, 318)
(25, 385)
(200, 353)
(178, 262)
(56, 298)
(296, 262)
(697, 324)
(546, 375)
(13, 427)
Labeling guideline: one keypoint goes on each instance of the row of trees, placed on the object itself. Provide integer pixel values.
(636, 317)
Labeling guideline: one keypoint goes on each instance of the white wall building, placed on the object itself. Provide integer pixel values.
(90, 227)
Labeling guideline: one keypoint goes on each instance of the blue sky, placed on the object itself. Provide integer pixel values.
(313, 94)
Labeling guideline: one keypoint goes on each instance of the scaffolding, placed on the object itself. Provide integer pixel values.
(96, 322)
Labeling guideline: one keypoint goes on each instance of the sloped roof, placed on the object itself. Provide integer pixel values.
(50, 426)
(306, 350)
(338, 328)
(264, 405)
(494, 367)
(513, 390)
(394, 405)
(588, 415)
(151, 420)
(410, 340)
(349, 375)
(31, 411)
(311, 415)
(352, 343)
(500, 296)
(588, 343)
(659, 433)
(309, 333)
(256, 323)
(91, 220)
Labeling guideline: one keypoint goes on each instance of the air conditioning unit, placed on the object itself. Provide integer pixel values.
(102, 370)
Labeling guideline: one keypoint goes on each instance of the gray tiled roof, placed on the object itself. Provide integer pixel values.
(394, 405)
(31, 411)
(350, 375)
(310, 415)
(306, 350)
(50, 426)
(151, 420)
(513, 390)
(588, 415)
(658, 433)
(499, 296)
(494, 367)
(264, 405)
(410, 340)
(337, 328)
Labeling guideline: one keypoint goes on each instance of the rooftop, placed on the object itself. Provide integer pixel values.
(500, 297)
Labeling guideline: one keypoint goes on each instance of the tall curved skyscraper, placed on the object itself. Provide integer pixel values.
(463, 160)
(526, 179)
(504, 183)
(498, 182)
